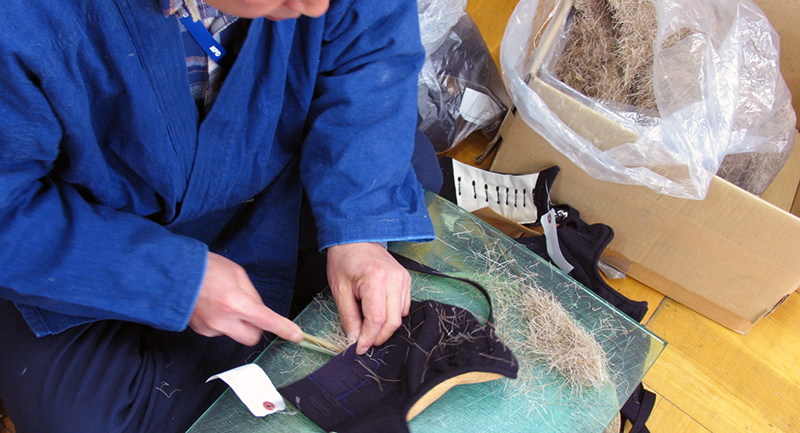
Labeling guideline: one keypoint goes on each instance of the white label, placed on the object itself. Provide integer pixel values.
(478, 108)
(254, 389)
(509, 195)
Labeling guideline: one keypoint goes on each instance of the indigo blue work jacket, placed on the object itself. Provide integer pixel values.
(113, 189)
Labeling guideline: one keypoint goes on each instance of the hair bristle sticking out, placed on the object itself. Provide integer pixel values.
(608, 55)
(333, 334)
(531, 321)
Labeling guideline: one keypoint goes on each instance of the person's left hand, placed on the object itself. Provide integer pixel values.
(372, 292)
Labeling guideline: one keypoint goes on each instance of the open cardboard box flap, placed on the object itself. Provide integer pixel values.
(732, 257)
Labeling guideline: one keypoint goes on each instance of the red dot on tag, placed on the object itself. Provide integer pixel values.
(268, 405)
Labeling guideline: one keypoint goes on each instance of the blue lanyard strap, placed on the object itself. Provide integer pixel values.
(203, 37)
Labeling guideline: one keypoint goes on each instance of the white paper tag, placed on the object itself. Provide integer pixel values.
(254, 389)
(478, 108)
(509, 195)
(551, 241)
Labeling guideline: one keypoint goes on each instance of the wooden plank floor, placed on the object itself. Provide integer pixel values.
(711, 379)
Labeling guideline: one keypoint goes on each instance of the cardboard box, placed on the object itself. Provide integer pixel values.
(732, 257)
(783, 16)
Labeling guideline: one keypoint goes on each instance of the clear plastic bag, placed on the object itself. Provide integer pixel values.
(718, 91)
(436, 19)
(460, 88)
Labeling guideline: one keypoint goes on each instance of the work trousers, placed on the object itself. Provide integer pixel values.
(110, 376)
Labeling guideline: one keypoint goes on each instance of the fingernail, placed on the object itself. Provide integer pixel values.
(351, 337)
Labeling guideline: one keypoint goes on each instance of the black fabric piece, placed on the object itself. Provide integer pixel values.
(582, 244)
(637, 409)
(416, 266)
(448, 189)
(374, 392)
(541, 191)
(424, 162)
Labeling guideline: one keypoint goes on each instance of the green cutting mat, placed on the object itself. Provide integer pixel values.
(543, 403)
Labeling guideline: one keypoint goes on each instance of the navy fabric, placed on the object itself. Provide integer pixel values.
(425, 163)
(582, 245)
(110, 376)
(112, 187)
(637, 409)
(374, 392)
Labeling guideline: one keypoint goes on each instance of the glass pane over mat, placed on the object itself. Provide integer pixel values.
(541, 399)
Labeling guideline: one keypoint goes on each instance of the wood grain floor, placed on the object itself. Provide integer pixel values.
(711, 379)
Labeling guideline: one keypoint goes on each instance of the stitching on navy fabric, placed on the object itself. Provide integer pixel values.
(325, 390)
(363, 381)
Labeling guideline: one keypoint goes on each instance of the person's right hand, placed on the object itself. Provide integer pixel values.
(229, 305)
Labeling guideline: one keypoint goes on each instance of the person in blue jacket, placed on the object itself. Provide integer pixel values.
(151, 180)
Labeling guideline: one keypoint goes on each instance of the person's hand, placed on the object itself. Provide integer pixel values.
(372, 292)
(229, 305)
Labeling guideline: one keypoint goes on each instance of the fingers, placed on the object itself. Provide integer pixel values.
(228, 304)
(397, 303)
(247, 323)
(367, 272)
(382, 316)
(238, 330)
(349, 311)
(243, 332)
(262, 317)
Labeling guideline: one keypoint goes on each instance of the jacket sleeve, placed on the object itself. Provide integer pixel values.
(356, 158)
(65, 254)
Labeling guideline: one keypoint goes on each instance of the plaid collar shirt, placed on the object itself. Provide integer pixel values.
(205, 75)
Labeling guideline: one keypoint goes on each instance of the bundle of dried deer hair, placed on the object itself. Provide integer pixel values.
(608, 55)
(536, 326)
